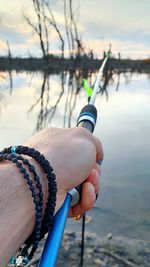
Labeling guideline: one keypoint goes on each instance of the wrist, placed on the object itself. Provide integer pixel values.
(42, 221)
(16, 209)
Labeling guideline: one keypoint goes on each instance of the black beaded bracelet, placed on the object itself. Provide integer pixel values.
(52, 186)
(31, 168)
(38, 209)
(42, 224)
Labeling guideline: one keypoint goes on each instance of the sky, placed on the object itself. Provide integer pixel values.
(123, 23)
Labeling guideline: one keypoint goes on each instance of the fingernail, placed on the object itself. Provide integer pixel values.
(99, 162)
(91, 192)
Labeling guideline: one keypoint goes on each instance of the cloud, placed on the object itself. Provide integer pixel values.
(123, 23)
(126, 48)
(117, 19)
(101, 29)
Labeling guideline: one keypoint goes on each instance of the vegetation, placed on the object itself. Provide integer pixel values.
(56, 64)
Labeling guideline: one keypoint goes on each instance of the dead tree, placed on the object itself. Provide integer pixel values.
(67, 28)
(71, 28)
(9, 68)
(75, 44)
(79, 45)
(40, 27)
(45, 19)
(51, 20)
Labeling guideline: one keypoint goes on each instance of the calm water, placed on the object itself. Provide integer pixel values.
(123, 125)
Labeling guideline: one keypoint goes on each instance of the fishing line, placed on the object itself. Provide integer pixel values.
(91, 93)
(82, 240)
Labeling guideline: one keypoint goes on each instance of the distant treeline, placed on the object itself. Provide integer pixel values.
(55, 64)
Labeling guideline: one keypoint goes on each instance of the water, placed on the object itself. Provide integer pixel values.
(123, 126)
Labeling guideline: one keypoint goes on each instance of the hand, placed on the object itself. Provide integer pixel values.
(72, 153)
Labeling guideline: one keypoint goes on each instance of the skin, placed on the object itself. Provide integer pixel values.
(72, 153)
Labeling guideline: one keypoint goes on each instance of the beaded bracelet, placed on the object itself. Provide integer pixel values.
(42, 224)
(31, 168)
(52, 186)
(38, 220)
(24, 252)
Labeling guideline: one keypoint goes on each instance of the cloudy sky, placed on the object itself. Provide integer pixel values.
(124, 23)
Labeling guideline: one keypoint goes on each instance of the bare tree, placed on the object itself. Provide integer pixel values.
(79, 45)
(71, 27)
(67, 28)
(45, 28)
(45, 18)
(9, 68)
(51, 20)
(75, 44)
(40, 26)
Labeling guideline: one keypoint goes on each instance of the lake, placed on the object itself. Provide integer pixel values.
(37, 100)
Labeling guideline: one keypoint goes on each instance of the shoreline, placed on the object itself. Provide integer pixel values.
(110, 251)
(53, 64)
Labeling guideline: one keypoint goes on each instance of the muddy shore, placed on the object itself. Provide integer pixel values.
(110, 251)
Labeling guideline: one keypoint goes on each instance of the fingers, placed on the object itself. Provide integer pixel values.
(94, 179)
(86, 203)
(90, 188)
(99, 150)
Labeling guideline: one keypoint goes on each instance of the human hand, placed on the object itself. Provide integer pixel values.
(73, 154)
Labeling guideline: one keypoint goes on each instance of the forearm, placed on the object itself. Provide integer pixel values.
(17, 211)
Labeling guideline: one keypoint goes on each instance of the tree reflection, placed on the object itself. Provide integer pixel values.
(42, 101)
(74, 85)
(6, 83)
(63, 97)
(70, 84)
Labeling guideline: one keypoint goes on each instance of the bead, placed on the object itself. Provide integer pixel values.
(12, 260)
(38, 220)
(14, 160)
(19, 165)
(19, 260)
(25, 260)
(32, 169)
(25, 161)
(13, 150)
(23, 170)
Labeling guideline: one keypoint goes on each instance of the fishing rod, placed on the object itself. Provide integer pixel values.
(92, 93)
(87, 119)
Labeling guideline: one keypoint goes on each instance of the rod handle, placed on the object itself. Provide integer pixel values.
(87, 119)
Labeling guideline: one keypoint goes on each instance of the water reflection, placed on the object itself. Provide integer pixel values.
(70, 84)
(69, 87)
(38, 100)
(42, 101)
(6, 81)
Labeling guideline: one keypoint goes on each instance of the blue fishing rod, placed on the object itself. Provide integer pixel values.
(86, 119)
